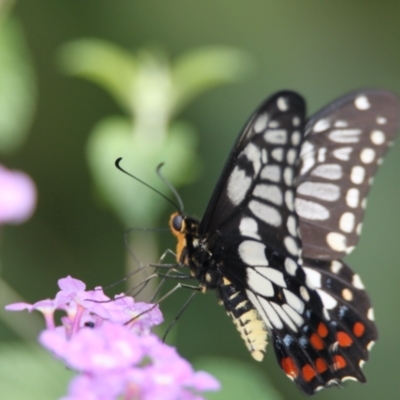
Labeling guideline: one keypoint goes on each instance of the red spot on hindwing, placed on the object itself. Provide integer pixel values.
(316, 342)
(308, 373)
(344, 339)
(339, 362)
(322, 330)
(289, 367)
(359, 329)
(321, 366)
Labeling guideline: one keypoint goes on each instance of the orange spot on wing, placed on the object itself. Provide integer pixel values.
(321, 366)
(289, 367)
(339, 362)
(359, 329)
(316, 342)
(322, 330)
(344, 339)
(308, 372)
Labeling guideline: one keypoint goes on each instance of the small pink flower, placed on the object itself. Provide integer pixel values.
(17, 196)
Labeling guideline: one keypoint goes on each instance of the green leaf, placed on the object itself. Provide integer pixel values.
(17, 87)
(202, 69)
(29, 372)
(103, 63)
(238, 380)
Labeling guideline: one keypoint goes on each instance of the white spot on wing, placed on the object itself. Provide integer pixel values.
(290, 266)
(357, 174)
(345, 135)
(284, 316)
(271, 193)
(304, 293)
(357, 283)
(271, 313)
(291, 245)
(294, 301)
(252, 253)
(311, 210)
(328, 171)
(277, 136)
(328, 301)
(296, 137)
(282, 104)
(258, 284)
(336, 241)
(336, 266)
(370, 314)
(248, 227)
(268, 214)
(381, 120)
(322, 191)
(253, 154)
(322, 154)
(353, 197)
(238, 186)
(261, 122)
(341, 124)
(277, 154)
(271, 172)
(367, 155)
(292, 225)
(272, 274)
(343, 153)
(321, 125)
(291, 156)
(298, 319)
(313, 278)
(296, 121)
(347, 222)
(377, 137)
(255, 301)
(362, 103)
(288, 176)
(289, 199)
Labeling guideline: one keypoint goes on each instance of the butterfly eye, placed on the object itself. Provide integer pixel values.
(177, 222)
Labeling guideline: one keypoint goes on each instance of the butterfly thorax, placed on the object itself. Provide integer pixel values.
(192, 251)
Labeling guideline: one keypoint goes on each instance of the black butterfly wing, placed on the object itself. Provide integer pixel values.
(258, 177)
(344, 145)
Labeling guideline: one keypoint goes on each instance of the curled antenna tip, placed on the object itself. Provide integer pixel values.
(179, 207)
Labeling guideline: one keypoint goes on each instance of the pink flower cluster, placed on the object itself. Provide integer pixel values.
(110, 343)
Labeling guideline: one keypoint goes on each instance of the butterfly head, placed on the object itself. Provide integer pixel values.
(183, 228)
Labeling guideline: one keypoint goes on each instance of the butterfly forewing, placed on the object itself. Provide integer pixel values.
(255, 193)
(343, 147)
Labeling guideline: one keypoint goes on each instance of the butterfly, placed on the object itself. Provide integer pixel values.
(287, 208)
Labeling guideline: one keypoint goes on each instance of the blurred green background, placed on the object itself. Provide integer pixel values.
(322, 49)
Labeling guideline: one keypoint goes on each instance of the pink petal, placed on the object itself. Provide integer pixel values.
(17, 196)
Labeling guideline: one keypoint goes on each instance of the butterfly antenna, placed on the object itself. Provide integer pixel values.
(170, 186)
(118, 165)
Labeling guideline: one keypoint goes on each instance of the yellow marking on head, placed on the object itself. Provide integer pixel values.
(180, 235)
